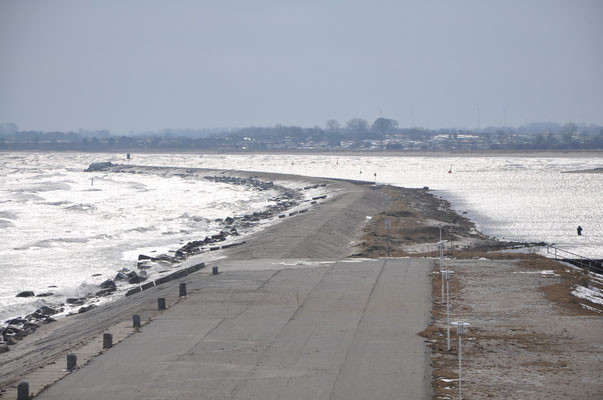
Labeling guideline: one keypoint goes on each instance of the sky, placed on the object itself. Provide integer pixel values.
(134, 66)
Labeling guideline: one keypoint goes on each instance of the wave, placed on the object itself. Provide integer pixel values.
(6, 224)
(142, 229)
(46, 243)
(8, 215)
(82, 207)
(21, 197)
(46, 187)
(102, 236)
(57, 203)
(194, 218)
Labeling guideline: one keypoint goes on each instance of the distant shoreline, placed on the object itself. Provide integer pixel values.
(585, 171)
(343, 153)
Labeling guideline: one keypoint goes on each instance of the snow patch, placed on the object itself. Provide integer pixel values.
(543, 272)
(593, 295)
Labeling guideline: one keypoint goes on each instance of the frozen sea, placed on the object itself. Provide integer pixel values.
(59, 230)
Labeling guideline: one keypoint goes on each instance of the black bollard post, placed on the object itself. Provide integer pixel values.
(161, 303)
(107, 340)
(136, 321)
(183, 290)
(71, 362)
(214, 270)
(23, 391)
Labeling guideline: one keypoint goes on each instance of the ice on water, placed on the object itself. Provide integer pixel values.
(58, 229)
(75, 228)
(512, 197)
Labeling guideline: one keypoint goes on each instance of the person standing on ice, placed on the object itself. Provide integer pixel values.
(579, 230)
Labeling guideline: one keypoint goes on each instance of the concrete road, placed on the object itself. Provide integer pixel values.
(338, 330)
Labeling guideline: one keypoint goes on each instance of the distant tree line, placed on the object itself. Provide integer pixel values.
(356, 133)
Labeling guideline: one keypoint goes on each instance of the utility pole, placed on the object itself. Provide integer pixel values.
(460, 327)
(441, 246)
(388, 226)
(448, 274)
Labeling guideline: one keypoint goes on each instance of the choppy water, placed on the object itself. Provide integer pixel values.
(58, 230)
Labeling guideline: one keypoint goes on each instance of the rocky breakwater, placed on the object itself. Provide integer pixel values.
(16, 329)
(153, 268)
(231, 226)
(166, 266)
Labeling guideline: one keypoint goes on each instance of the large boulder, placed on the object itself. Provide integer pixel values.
(134, 278)
(121, 276)
(74, 300)
(16, 321)
(27, 293)
(108, 284)
(86, 308)
(45, 310)
(98, 166)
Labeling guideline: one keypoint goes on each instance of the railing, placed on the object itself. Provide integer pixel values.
(576, 259)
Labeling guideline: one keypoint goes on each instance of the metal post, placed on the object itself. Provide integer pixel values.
(460, 325)
(23, 391)
(388, 242)
(448, 308)
(441, 246)
(448, 274)
(71, 362)
(460, 367)
(388, 225)
(161, 303)
(107, 340)
(441, 270)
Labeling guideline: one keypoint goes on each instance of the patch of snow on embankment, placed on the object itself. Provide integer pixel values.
(593, 295)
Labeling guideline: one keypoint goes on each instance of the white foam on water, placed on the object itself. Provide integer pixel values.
(75, 233)
(59, 227)
(518, 198)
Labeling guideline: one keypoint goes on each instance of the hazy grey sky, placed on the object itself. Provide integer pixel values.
(147, 65)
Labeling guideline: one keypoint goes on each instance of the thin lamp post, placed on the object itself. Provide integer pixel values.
(460, 325)
(441, 246)
(388, 225)
(447, 275)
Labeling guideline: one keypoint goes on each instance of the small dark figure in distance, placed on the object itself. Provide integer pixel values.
(579, 230)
